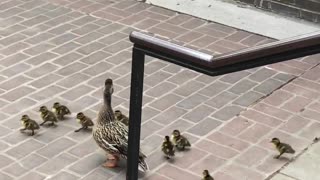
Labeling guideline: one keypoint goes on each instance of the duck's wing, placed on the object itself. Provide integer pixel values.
(108, 139)
(65, 109)
(123, 133)
(35, 124)
(185, 141)
(287, 148)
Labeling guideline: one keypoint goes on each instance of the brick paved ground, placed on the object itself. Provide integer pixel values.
(63, 50)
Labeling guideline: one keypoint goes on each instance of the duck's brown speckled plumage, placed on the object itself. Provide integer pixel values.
(112, 135)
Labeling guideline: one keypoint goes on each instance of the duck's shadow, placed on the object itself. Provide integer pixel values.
(283, 158)
(29, 133)
(122, 165)
(89, 130)
(48, 125)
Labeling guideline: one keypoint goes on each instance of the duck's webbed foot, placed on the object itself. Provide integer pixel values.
(112, 161)
(276, 157)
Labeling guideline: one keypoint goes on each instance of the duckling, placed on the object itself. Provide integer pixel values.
(47, 115)
(167, 147)
(206, 175)
(120, 117)
(282, 147)
(179, 141)
(60, 110)
(29, 124)
(84, 121)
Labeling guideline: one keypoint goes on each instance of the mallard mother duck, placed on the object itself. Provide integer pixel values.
(112, 135)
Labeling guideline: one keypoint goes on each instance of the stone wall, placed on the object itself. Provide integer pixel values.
(305, 9)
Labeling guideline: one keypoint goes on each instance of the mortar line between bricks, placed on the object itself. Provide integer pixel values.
(200, 105)
(254, 34)
(11, 26)
(20, 51)
(32, 8)
(201, 159)
(120, 9)
(7, 174)
(168, 29)
(156, 173)
(111, 172)
(118, 21)
(55, 140)
(37, 101)
(159, 167)
(32, 169)
(296, 67)
(172, 92)
(284, 102)
(312, 90)
(186, 170)
(78, 159)
(79, 97)
(290, 176)
(63, 152)
(5, 1)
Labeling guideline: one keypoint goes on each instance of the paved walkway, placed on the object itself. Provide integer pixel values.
(306, 167)
(63, 50)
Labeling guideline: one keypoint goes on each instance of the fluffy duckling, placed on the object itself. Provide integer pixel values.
(206, 175)
(84, 121)
(282, 147)
(179, 141)
(60, 110)
(29, 124)
(47, 115)
(168, 148)
(120, 117)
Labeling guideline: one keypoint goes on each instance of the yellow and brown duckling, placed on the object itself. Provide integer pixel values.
(282, 147)
(84, 121)
(60, 110)
(179, 140)
(167, 147)
(29, 124)
(206, 175)
(47, 116)
(121, 117)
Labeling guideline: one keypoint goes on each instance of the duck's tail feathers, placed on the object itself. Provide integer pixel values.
(293, 151)
(143, 164)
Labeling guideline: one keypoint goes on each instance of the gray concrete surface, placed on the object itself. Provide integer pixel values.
(305, 167)
(241, 17)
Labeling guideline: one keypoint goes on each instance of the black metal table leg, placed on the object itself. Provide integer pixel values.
(136, 90)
